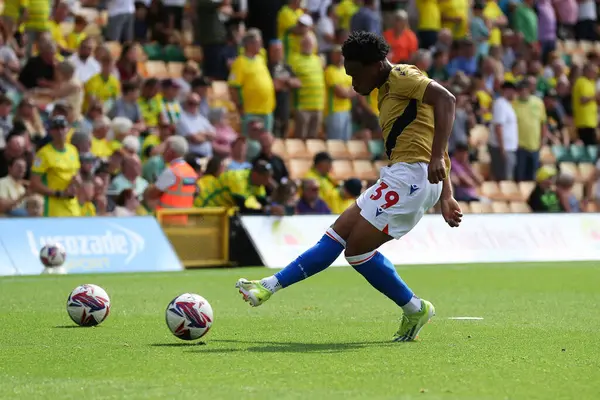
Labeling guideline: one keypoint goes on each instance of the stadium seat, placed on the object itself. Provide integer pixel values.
(175, 69)
(157, 69)
(500, 207)
(337, 149)
(526, 188)
(464, 207)
(376, 148)
(510, 190)
(584, 46)
(591, 207)
(578, 190)
(342, 170)
(220, 90)
(193, 53)
(380, 164)
(364, 169)
(569, 168)
(546, 156)
(561, 153)
(114, 48)
(296, 148)
(483, 169)
(579, 153)
(569, 46)
(519, 207)
(586, 171)
(90, 14)
(479, 207)
(491, 190)
(298, 168)
(358, 150)
(314, 146)
(279, 148)
(479, 135)
(592, 152)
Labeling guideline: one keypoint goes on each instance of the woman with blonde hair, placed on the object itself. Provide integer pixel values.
(27, 113)
(68, 88)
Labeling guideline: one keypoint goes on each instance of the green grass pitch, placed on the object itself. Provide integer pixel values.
(325, 338)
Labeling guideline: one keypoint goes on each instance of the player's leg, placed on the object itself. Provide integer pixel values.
(309, 263)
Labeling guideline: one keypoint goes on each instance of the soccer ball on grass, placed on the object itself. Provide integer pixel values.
(189, 316)
(88, 305)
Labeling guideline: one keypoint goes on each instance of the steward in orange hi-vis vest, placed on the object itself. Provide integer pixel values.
(181, 193)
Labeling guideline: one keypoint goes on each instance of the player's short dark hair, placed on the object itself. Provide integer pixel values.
(365, 48)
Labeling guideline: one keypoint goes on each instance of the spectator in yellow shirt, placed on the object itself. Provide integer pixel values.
(293, 37)
(85, 195)
(497, 19)
(430, 23)
(344, 11)
(320, 172)
(37, 22)
(251, 85)
(61, 12)
(345, 196)
(78, 35)
(149, 102)
(338, 119)
(455, 17)
(101, 146)
(287, 17)
(104, 87)
(585, 106)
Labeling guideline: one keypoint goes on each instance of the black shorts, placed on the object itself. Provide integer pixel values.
(587, 135)
(177, 13)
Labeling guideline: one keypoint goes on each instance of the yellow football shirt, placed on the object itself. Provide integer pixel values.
(149, 141)
(291, 44)
(253, 80)
(57, 35)
(12, 8)
(101, 148)
(531, 114)
(485, 101)
(57, 169)
(102, 89)
(87, 209)
(229, 188)
(584, 115)
(429, 15)
(74, 39)
(344, 11)
(150, 109)
(493, 11)
(334, 76)
(286, 19)
(339, 204)
(327, 186)
(38, 16)
(406, 122)
(456, 8)
(309, 69)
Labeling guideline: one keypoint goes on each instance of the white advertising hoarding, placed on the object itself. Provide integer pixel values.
(479, 239)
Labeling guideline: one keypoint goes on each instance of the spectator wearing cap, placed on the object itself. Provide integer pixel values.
(127, 106)
(149, 102)
(310, 97)
(367, 18)
(238, 161)
(244, 189)
(170, 109)
(266, 154)
(251, 85)
(101, 146)
(121, 18)
(326, 30)
(525, 21)
(287, 17)
(310, 202)
(195, 128)
(224, 133)
(584, 103)
(480, 31)
(200, 86)
(17, 143)
(284, 80)
(346, 195)
(104, 86)
(189, 74)
(28, 114)
(175, 187)
(55, 172)
(403, 41)
(320, 171)
(12, 189)
(543, 199)
(338, 120)
(465, 60)
(86, 66)
(531, 123)
(465, 180)
(504, 137)
(38, 71)
(430, 22)
(455, 17)
(6, 118)
(293, 37)
(129, 178)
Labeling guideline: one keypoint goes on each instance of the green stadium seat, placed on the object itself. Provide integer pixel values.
(561, 153)
(592, 153)
(376, 148)
(173, 54)
(154, 52)
(578, 153)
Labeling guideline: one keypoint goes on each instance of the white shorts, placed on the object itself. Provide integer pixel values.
(399, 199)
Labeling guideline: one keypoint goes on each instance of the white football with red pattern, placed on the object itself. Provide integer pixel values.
(53, 255)
(88, 305)
(189, 316)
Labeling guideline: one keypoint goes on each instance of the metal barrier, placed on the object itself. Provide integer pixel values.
(200, 236)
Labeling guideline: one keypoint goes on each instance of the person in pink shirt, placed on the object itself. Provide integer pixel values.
(566, 13)
(225, 135)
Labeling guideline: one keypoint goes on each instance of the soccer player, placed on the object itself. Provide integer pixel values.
(415, 181)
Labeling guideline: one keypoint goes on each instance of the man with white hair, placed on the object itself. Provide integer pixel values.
(176, 186)
(129, 178)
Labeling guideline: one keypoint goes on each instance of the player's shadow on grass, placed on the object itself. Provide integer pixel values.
(182, 344)
(292, 347)
(71, 326)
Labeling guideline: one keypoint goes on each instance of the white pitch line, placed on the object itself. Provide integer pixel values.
(467, 318)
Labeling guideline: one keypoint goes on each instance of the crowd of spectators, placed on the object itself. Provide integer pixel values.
(90, 128)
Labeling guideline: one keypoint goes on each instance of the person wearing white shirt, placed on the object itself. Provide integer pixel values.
(195, 127)
(121, 18)
(504, 136)
(326, 31)
(86, 65)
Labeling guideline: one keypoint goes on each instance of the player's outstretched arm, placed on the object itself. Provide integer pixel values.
(443, 103)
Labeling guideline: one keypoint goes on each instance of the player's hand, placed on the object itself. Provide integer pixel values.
(436, 172)
(451, 212)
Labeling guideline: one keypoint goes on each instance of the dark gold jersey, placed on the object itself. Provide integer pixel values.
(407, 123)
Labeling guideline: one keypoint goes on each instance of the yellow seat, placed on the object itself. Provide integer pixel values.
(364, 169)
(295, 148)
(157, 69)
(546, 156)
(570, 168)
(586, 171)
(337, 149)
(479, 135)
(298, 168)
(526, 188)
(510, 190)
(358, 150)
(279, 148)
(193, 53)
(519, 207)
(491, 190)
(342, 170)
(464, 207)
(114, 48)
(578, 190)
(500, 207)
(219, 90)
(314, 146)
(175, 69)
(479, 207)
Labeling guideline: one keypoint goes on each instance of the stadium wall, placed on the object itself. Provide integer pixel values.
(107, 244)
(480, 239)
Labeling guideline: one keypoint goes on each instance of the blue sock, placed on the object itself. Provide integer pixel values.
(313, 260)
(381, 274)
